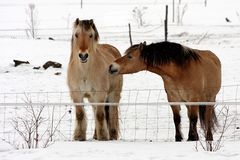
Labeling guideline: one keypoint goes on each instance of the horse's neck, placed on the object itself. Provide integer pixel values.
(168, 70)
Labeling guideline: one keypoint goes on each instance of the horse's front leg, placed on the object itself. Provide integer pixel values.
(176, 115)
(81, 119)
(81, 124)
(101, 123)
(177, 121)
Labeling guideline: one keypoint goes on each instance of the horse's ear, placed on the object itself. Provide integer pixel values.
(141, 45)
(91, 22)
(77, 21)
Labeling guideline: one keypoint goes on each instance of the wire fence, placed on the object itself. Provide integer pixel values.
(152, 31)
(145, 115)
(94, 3)
(190, 34)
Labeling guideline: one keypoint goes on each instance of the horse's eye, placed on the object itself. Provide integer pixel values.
(129, 56)
(76, 35)
(90, 36)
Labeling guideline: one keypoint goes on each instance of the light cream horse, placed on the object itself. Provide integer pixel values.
(88, 78)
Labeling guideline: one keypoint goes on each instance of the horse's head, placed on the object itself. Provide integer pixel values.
(84, 39)
(131, 62)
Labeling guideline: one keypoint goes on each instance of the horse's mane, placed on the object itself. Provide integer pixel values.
(87, 24)
(166, 52)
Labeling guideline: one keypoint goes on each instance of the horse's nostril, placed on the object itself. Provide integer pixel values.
(110, 67)
(111, 70)
(83, 57)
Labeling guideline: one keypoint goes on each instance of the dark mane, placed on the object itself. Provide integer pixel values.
(166, 52)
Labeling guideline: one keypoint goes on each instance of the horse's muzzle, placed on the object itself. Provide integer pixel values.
(83, 57)
(112, 70)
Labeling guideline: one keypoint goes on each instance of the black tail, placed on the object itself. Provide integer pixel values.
(107, 113)
(202, 110)
(202, 114)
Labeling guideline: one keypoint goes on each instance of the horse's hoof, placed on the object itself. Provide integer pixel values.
(178, 139)
(103, 139)
(79, 138)
(95, 136)
(193, 138)
(102, 135)
(209, 137)
(113, 134)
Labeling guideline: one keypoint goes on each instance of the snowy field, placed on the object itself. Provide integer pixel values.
(147, 132)
(122, 151)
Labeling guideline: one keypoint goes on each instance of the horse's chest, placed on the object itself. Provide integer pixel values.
(91, 85)
(86, 85)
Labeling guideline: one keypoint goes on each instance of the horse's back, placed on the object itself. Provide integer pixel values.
(210, 61)
(109, 50)
(209, 55)
(199, 80)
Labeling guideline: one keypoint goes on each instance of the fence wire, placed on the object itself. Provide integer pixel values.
(145, 115)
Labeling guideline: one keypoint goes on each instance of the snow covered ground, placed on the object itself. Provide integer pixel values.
(204, 28)
(118, 150)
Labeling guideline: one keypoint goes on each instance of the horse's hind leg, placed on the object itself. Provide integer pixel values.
(177, 121)
(113, 123)
(193, 118)
(210, 120)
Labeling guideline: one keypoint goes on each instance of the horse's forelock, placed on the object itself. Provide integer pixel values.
(87, 25)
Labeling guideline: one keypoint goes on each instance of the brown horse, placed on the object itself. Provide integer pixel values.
(88, 78)
(189, 75)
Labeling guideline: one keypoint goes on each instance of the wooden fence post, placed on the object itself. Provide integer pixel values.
(166, 24)
(129, 33)
(173, 7)
(205, 3)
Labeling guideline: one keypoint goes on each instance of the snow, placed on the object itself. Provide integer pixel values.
(123, 150)
(5, 147)
(221, 37)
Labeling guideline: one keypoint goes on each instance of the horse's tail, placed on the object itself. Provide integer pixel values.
(203, 119)
(107, 113)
